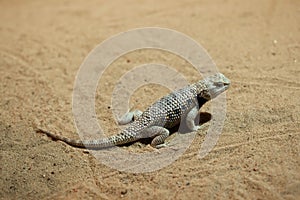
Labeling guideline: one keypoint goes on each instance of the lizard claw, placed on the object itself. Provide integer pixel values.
(161, 145)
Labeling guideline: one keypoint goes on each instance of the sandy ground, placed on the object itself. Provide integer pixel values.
(254, 43)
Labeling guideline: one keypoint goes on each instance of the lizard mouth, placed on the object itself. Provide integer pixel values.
(226, 85)
(218, 90)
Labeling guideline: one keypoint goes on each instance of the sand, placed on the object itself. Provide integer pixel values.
(254, 43)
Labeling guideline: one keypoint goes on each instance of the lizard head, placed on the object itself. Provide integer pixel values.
(214, 85)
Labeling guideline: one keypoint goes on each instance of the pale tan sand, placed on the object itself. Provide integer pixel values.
(255, 43)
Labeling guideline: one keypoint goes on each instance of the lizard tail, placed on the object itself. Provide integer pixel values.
(90, 144)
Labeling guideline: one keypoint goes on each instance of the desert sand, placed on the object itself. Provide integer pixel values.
(254, 43)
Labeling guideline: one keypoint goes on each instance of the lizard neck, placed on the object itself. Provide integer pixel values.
(201, 89)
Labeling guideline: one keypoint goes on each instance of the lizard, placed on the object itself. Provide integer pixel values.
(157, 119)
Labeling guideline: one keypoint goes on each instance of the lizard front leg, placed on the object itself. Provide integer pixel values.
(190, 119)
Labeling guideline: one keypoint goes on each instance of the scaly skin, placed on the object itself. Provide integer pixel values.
(165, 113)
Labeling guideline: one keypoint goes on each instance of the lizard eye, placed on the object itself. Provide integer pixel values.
(218, 84)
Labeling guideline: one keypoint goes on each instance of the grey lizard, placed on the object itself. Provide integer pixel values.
(154, 122)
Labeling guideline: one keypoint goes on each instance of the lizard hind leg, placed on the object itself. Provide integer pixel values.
(159, 134)
(129, 117)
